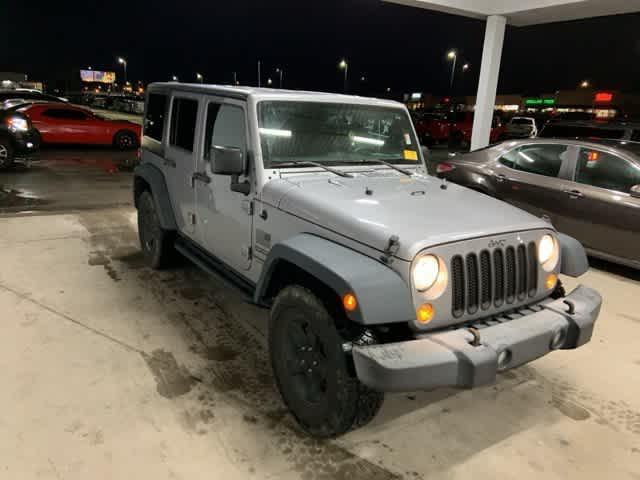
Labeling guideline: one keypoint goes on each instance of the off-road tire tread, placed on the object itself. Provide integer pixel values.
(163, 256)
(358, 403)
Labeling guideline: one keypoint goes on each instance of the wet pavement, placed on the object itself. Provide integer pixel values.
(67, 179)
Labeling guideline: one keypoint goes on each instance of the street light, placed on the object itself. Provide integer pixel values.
(124, 64)
(452, 56)
(362, 79)
(269, 82)
(199, 77)
(174, 78)
(343, 65)
(584, 84)
(465, 67)
(280, 71)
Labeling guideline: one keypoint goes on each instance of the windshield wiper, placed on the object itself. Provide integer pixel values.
(315, 164)
(390, 165)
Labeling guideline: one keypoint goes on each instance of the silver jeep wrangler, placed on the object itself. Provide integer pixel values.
(378, 276)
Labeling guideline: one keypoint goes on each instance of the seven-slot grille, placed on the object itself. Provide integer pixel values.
(504, 275)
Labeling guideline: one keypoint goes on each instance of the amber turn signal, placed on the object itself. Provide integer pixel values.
(551, 280)
(425, 313)
(349, 302)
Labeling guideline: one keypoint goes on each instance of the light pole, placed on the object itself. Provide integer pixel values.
(280, 72)
(452, 56)
(124, 64)
(235, 78)
(343, 65)
(199, 77)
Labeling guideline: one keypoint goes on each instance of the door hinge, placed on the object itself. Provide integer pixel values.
(192, 218)
(247, 206)
(246, 252)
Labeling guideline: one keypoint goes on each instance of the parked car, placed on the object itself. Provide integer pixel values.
(608, 130)
(70, 124)
(18, 138)
(378, 277)
(27, 95)
(588, 189)
(521, 127)
(454, 128)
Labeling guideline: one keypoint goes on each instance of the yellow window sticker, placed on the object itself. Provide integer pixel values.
(411, 155)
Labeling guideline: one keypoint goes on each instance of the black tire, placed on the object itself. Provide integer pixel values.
(155, 242)
(125, 140)
(328, 400)
(6, 154)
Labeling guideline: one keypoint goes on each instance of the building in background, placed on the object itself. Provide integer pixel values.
(12, 80)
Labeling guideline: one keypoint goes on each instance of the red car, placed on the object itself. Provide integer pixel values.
(68, 124)
(454, 128)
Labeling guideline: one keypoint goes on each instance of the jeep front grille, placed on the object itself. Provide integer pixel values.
(504, 275)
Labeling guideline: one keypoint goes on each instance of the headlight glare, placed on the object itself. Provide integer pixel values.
(425, 272)
(548, 252)
(18, 124)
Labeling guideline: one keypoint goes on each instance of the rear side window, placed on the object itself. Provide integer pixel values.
(154, 116)
(64, 114)
(183, 123)
(603, 170)
(539, 159)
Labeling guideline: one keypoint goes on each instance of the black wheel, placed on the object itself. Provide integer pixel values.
(312, 370)
(156, 243)
(6, 154)
(125, 140)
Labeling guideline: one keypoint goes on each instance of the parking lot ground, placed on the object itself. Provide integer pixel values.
(113, 370)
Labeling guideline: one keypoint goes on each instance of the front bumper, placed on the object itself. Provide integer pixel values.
(450, 358)
(26, 144)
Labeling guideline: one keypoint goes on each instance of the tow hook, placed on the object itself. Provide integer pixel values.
(571, 305)
(476, 336)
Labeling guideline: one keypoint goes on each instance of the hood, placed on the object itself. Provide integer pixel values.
(373, 206)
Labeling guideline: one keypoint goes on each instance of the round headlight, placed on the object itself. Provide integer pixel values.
(548, 252)
(425, 272)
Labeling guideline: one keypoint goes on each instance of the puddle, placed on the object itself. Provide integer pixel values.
(11, 198)
(172, 380)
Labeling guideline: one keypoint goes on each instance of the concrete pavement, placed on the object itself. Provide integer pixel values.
(113, 370)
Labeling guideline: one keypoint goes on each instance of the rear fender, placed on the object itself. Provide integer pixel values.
(154, 177)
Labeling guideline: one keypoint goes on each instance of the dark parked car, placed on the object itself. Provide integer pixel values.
(18, 138)
(588, 189)
(592, 130)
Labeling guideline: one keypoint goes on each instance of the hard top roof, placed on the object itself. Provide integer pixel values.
(270, 93)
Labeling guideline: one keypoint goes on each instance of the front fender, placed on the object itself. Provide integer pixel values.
(383, 296)
(573, 257)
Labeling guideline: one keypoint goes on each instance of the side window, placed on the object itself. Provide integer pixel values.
(635, 135)
(154, 116)
(601, 169)
(64, 114)
(539, 159)
(225, 127)
(183, 123)
(212, 115)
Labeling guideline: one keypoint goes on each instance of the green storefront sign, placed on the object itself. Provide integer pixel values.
(539, 102)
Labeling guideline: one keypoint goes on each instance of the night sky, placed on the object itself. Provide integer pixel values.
(391, 45)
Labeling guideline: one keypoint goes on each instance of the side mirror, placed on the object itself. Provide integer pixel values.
(227, 160)
(635, 191)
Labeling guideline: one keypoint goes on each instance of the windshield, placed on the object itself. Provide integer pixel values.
(334, 134)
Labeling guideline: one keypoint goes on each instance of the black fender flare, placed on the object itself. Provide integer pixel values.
(573, 257)
(154, 177)
(382, 295)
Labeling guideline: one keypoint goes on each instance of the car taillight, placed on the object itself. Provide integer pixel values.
(444, 167)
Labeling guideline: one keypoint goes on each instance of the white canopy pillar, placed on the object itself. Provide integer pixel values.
(488, 83)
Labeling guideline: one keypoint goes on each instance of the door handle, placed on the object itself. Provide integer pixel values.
(574, 193)
(500, 177)
(201, 177)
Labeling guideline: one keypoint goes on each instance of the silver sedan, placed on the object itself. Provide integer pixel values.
(588, 189)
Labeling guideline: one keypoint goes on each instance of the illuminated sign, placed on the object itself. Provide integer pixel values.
(97, 76)
(603, 97)
(539, 102)
(416, 96)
